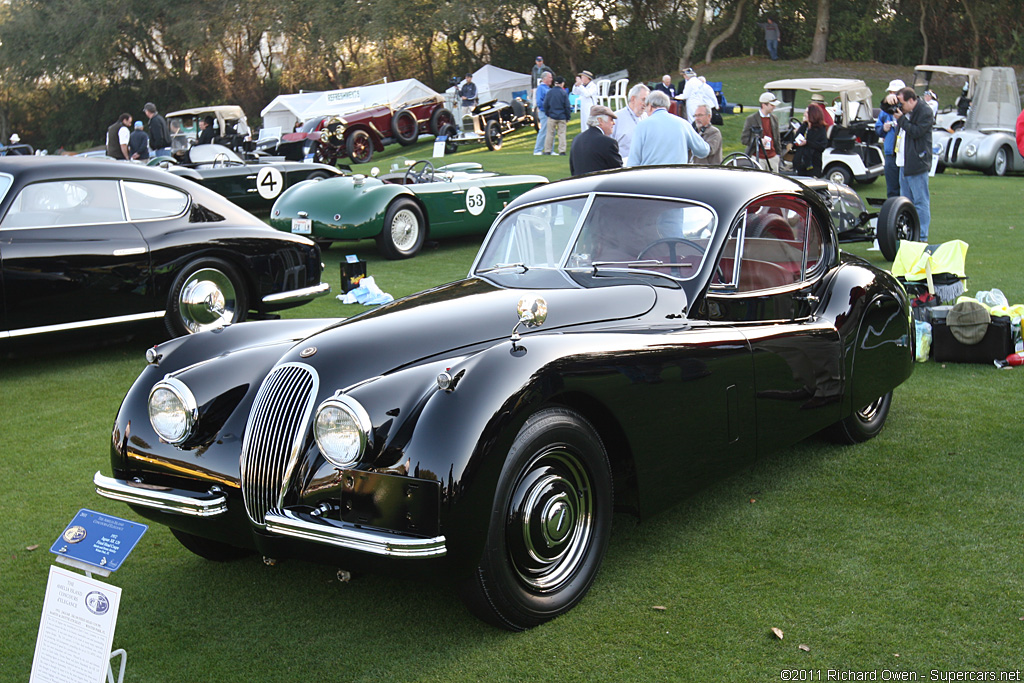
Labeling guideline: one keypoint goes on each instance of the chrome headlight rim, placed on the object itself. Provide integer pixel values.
(971, 149)
(359, 417)
(188, 402)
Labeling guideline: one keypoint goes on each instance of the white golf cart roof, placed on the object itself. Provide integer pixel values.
(853, 88)
(950, 70)
(226, 111)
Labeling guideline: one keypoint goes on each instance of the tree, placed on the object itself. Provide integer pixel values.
(819, 45)
(691, 35)
(727, 33)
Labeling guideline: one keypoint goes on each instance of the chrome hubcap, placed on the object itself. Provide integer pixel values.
(207, 300)
(404, 230)
(549, 524)
(868, 412)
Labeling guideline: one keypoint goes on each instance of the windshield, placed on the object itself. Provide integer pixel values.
(613, 232)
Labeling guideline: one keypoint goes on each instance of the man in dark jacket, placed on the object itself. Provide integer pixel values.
(914, 121)
(159, 137)
(556, 106)
(594, 149)
(138, 143)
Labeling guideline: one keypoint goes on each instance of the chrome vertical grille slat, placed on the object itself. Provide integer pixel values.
(274, 436)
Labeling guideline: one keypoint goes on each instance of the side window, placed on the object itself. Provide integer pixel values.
(65, 202)
(782, 242)
(149, 200)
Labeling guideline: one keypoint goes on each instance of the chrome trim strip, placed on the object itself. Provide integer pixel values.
(130, 252)
(341, 535)
(170, 500)
(304, 294)
(63, 327)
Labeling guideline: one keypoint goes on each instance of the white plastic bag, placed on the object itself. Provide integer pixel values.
(923, 331)
(993, 298)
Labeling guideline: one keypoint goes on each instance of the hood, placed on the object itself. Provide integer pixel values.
(452, 320)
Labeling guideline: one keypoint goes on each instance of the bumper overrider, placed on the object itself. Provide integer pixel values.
(285, 523)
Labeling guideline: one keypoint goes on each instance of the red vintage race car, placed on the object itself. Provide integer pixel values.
(359, 134)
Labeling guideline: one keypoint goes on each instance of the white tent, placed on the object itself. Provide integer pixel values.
(285, 110)
(494, 83)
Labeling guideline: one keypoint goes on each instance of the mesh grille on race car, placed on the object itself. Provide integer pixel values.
(275, 435)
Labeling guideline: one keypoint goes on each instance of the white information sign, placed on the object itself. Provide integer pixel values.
(76, 630)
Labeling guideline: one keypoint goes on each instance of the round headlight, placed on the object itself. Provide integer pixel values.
(172, 410)
(971, 149)
(342, 430)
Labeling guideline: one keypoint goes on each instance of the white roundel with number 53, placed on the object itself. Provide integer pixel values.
(269, 182)
(476, 201)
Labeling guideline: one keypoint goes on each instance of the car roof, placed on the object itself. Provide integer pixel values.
(31, 168)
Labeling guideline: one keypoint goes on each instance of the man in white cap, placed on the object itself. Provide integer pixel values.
(885, 126)
(690, 94)
(761, 134)
(586, 89)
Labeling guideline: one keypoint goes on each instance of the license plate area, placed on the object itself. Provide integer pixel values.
(302, 226)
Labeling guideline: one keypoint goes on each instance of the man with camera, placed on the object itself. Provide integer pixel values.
(885, 127)
(914, 121)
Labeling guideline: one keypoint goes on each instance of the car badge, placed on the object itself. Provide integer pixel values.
(307, 352)
(74, 534)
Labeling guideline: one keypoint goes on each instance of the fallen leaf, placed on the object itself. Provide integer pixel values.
(660, 608)
(34, 546)
(777, 632)
(805, 648)
(753, 500)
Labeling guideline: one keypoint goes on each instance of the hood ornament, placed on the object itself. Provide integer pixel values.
(307, 352)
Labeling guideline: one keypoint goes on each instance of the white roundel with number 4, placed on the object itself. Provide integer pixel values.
(476, 201)
(269, 182)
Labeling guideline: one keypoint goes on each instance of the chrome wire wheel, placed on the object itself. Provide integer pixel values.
(405, 230)
(550, 521)
(207, 300)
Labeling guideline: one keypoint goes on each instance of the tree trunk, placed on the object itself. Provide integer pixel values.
(976, 50)
(924, 33)
(691, 36)
(724, 35)
(820, 44)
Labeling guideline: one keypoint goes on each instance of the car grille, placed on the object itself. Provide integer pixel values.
(275, 435)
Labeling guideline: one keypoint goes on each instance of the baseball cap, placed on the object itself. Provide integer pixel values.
(689, 72)
(896, 84)
(767, 98)
(138, 125)
(539, 59)
(600, 110)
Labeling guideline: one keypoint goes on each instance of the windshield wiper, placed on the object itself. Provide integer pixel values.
(505, 266)
(629, 266)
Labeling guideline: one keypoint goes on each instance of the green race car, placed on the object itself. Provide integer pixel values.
(400, 209)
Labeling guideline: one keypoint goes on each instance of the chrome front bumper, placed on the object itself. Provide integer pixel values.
(281, 522)
(297, 295)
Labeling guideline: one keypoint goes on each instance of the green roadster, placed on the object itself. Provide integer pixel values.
(399, 209)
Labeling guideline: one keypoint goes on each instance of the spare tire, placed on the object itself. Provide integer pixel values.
(404, 127)
(897, 221)
(439, 119)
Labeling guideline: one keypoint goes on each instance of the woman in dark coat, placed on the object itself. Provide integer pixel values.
(811, 141)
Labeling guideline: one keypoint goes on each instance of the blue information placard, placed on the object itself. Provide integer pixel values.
(97, 539)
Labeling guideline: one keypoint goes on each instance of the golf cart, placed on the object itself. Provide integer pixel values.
(853, 153)
(952, 118)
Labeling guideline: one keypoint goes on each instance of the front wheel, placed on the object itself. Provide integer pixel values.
(404, 127)
(549, 526)
(207, 294)
(897, 221)
(492, 135)
(404, 230)
(865, 423)
(359, 147)
(1001, 163)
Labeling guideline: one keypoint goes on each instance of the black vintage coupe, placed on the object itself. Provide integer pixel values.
(621, 339)
(85, 243)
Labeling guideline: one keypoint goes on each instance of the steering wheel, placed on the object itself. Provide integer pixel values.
(673, 243)
(424, 176)
(740, 160)
(221, 160)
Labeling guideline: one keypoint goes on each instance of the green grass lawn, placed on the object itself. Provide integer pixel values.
(902, 554)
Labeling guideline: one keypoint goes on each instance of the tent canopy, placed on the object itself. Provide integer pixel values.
(284, 110)
(495, 83)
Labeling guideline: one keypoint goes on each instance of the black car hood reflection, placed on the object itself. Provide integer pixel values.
(453, 318)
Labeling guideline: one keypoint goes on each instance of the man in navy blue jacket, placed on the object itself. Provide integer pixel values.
(556, 106)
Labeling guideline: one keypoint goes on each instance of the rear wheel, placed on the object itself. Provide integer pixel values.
(404, 230)
(359, 147)
(449, 130)
(207, 294)
(405, 127)
(839, 174)
(897, 221)
(865, 423)
(549, 525)
(492, 135)
(439, 119)
(209, 549)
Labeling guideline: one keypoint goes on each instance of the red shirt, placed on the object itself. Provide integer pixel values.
(766, 130)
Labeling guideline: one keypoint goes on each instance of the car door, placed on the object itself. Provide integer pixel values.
(71, 258)
(768, 283)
